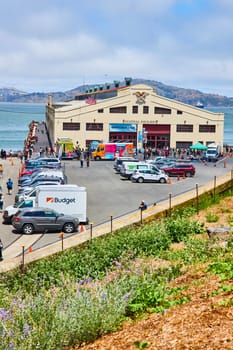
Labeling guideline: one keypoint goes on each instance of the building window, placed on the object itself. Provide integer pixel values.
(135, 109)
(71, 126)
(145, 109)
(94, 126)
(122, 109)
(101, 110)
(160, 110)
(184, 128)
(207, 128)
(179, 112)
(183, 144)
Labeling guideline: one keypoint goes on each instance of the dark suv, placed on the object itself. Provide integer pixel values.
(180, 169)
(30, 220)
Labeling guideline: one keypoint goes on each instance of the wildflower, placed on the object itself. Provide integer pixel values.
(26, 329)
(5, 314)
(104, 296)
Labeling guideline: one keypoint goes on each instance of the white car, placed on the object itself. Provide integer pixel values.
(149, 175)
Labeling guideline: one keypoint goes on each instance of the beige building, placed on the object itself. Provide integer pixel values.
(134, 114)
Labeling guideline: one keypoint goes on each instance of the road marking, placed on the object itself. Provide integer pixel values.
(16, 248)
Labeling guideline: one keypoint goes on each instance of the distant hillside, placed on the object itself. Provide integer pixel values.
(189, 96)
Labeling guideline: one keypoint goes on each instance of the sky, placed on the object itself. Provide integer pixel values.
(58, 45)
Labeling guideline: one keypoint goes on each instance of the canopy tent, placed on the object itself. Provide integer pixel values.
(198, 147)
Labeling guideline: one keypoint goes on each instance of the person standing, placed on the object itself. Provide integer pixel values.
(143, 205)
(1, 201)
(9, 186)
(87, 157)
(81, 158)
(1, 249)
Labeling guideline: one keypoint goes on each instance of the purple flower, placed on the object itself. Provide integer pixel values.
(104, 296)
(5, 314)
(26, 329)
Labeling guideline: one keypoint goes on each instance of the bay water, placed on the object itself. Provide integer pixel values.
(14, 123)
(16, 117)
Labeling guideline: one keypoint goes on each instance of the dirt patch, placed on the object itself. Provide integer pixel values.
(203, 323)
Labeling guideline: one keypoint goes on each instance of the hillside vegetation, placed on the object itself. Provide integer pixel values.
(167, 272)
(189, 96)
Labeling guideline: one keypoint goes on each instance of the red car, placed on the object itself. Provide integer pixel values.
(180, 169)
(26, 172)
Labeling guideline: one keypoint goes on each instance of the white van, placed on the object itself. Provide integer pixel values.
(119, 160)
(128, 168)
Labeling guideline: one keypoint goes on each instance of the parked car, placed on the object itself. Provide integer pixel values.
(41, 172)
(119, 160)
(27, 179)
(48, 160)
(149, 175)
(32, 169)
(26, 191)
(180, 169)
(164, 163)
(43, 178)
(127, 168)
(30, 220)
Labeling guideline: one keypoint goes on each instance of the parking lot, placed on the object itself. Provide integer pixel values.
(110, 195)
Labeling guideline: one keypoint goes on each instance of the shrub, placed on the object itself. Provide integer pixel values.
(180, 227)
(211, 217)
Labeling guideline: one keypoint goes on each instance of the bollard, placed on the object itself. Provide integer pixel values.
(91, 225)
(215, 178)
(197, 199)
(61, 236)
(170, 204)
(1, 249)
(23, 261)
(141, 215)
(111, 221)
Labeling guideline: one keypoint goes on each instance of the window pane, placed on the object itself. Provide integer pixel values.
(184, 128)
(122, 109)
(160, 110)
(207, 128)
(71, 126)
(94, 126)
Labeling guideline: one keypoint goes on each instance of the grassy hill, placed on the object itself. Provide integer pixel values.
(189, 96)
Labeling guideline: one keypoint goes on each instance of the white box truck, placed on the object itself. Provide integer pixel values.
(213, 152)
(65, 199)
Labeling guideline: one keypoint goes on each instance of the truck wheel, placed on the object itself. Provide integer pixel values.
(68, 227)
(162, 180)
(28, 229)
(188, 174)
(140, 180)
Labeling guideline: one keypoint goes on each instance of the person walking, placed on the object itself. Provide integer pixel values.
(1, 249)
(9, 186)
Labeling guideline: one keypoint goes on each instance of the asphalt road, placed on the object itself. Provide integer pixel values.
(110, 195)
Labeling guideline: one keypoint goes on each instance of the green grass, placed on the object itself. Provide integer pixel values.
(212, 217)
(82, 293)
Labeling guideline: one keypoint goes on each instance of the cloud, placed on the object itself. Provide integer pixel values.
(57, 45)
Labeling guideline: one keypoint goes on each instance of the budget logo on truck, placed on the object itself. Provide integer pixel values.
(60, 200)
